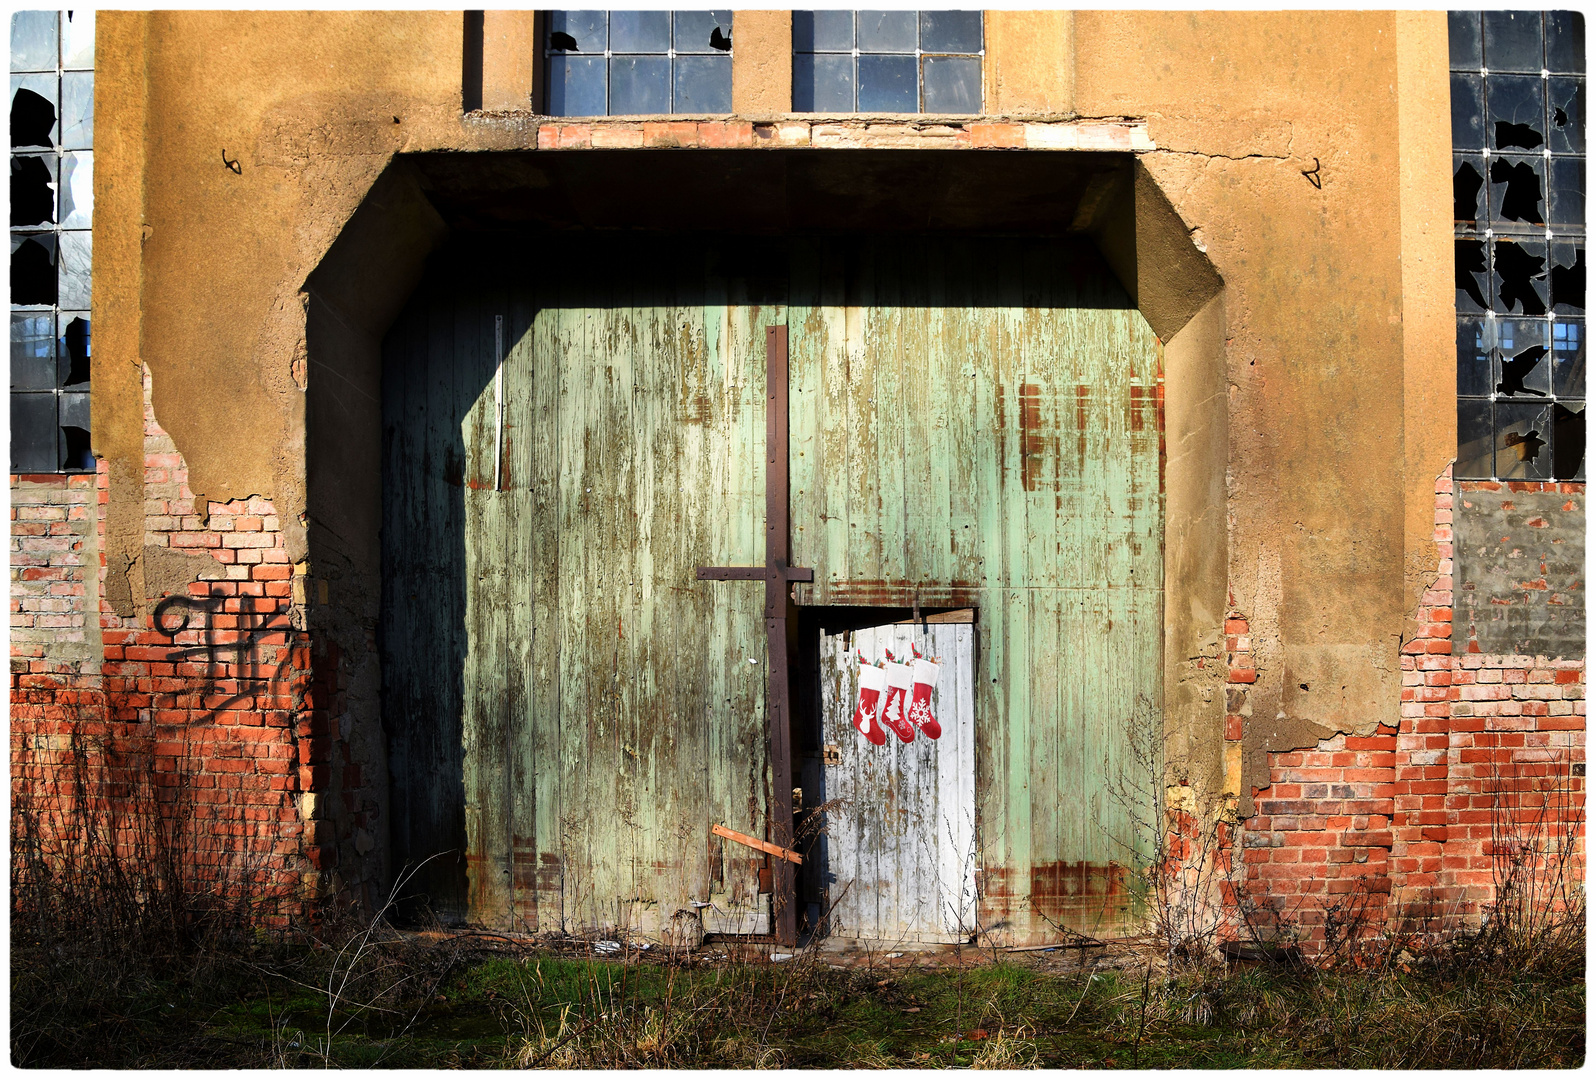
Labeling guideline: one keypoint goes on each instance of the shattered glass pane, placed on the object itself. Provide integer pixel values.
(1566, 100)
(887, 84)
(952, 84)
(1469, 267)
(32, 351)
(33, 274)
(33, 110)
(77, 110)
(1473, 440)
(1513, 41)
(1517, 184)
(33, 42)
(77, 253)
(33, 189)
(1463, 40)
(822, 83)
(72, 351)
(1468, 184)
(1475, 340)
(1468, 111)
(77, 189)
(577, 31)
(950, 31)
(702, 85)
(1568, 193)
(822, 31)
(1522, 368)
(887, 31)
(75, 452)
(1568, 358)
(77, 48)
(640, 85)
(576, 85)
(1565, 41)
(702, 32)
(1568, 277)
(1523, 438)
(1568, 441)
(1519, 276)
(33, 433)
(640, 32)
(1516, 108)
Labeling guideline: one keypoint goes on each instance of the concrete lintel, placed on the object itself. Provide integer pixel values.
(853, 132)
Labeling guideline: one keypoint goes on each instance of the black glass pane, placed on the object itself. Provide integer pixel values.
(702, 84)
(1566, 101)
(577, 31)
(1523, 363)
(1523, 438)
(640, 84)
(33, 189)
(1568, 441)
(1468, 112)
(1567, 277)
(1474, 343)
(1515, 107)
(74, 350)
(1468, 188)
(822, 83)
(1568, 193)
(640, 31)
(1473, 440)
(33, 276)
(1568, 358)
(1519, 277)
(952, 84)
(1565, 41)
(1463, 39)
(1472, 273)
(33, 110)
(1517, 184)
(576, 86)
(701, 31)
(887, 84)
(950, 31)
(33, 433)
(887, 31)
(33, 361)
(822, 31)
(1513, 41)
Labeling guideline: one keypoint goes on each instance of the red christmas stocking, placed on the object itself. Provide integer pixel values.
(899, 678)
(925, 678)
(872, 680)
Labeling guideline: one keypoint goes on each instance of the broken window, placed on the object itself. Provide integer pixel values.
(52, 207)
(630, 63)
(1518, 194)
(887, 61)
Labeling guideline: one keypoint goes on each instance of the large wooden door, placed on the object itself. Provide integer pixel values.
(570, 433)
(573, 427)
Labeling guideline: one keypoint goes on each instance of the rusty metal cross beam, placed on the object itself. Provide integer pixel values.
(781, 620)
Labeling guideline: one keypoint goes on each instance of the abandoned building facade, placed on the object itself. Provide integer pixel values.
(511, 440)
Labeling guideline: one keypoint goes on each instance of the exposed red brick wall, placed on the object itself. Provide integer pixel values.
(216, 708)
(1418, 821)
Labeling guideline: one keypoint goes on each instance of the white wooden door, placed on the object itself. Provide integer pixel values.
(899, 848)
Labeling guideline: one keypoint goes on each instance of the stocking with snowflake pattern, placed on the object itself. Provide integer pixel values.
(925, 680)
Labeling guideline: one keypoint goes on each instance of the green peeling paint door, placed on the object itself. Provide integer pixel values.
(974, 424)
(568, 708)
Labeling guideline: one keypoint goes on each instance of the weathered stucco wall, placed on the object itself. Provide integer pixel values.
(1241, 107)
(1519, 569)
